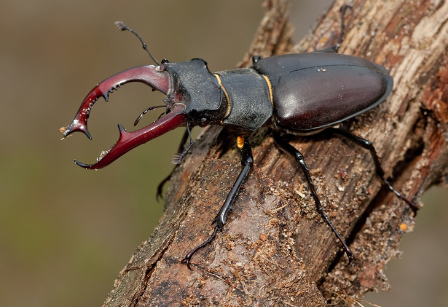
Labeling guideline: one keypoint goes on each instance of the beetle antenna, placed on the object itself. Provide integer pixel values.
(146, 111)
(124, 27)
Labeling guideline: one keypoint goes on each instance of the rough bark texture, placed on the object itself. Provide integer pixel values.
(275, 250)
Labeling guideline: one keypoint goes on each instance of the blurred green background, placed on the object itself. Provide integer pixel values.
(65, 232)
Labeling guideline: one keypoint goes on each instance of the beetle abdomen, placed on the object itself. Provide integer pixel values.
(317, 90)
(315, 98)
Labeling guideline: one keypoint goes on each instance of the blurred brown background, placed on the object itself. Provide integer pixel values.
(66, 232)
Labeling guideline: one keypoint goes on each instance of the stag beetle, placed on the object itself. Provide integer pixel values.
(297, 94)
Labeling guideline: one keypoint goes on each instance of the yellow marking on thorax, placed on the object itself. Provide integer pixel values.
(270, 88)
(225, 93)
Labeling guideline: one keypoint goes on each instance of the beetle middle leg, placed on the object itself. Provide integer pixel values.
(247, 161)
(366, 144)
(300, 159)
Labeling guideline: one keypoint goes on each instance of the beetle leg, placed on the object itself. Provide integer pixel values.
(181, 153)
(341, 34)
(159, 194)
(167, 178)
(247, 161)
(335, 48)
(366, 144)
(299, 158)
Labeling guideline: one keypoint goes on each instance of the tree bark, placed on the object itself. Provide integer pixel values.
(275, 249)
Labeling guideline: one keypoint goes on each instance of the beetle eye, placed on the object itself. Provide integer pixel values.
(204, 122)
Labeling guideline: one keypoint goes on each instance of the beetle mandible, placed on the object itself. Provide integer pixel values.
(278, 92)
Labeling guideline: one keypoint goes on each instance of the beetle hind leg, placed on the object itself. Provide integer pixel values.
(247, 161)
(366, 144)
(300, 159)
(335, 48)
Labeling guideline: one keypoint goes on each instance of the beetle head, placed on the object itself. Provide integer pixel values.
(193, 95)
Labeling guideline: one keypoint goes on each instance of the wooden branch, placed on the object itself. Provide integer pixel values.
(275, 250)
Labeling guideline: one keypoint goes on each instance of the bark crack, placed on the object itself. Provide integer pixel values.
(145, 281)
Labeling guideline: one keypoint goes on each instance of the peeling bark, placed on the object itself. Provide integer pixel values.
(275, 250)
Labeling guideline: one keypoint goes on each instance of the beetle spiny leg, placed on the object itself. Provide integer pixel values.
(335, 48)
(179, 156)
(342, 10)
(167, 178)
(300, 159)
(247, 161)
(187, 258)
(366, 144)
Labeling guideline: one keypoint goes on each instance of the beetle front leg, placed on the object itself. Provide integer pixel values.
(247, 161)
(168, 177)
(366, 144)
(299, 158)
(182, 152)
